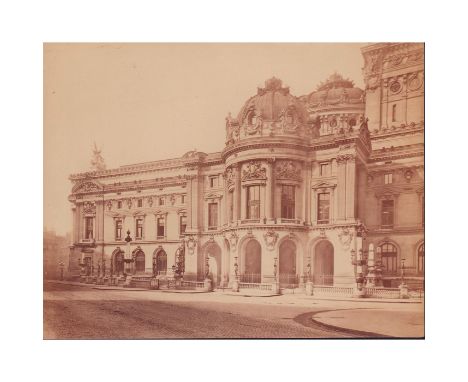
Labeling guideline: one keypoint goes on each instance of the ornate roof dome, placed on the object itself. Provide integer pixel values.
(272, 111)
(335, 90)
(270, 103)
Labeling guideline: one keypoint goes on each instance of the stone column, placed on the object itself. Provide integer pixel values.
(269, 204)
(350, 188)
(307, 176)
(75, 223)
(189, 204)
(237, 195)
(341, 191)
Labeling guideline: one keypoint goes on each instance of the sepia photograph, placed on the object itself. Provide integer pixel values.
(234, 191)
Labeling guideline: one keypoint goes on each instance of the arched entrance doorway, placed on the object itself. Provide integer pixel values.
(159, 262)
(117, 262)
(323, 263)
(252, 269)
(287, 264)
(211, 252)
(139, 256)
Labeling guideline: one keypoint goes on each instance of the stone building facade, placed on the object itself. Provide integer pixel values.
(301, 189)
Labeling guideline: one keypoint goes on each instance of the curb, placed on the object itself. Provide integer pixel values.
(306, 318)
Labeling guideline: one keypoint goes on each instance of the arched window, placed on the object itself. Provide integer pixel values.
(140, 261)
(394, 113)
(252, 118)
(389, 257)
(421, 258)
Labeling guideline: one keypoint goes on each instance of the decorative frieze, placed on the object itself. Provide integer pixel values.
(343, 158)
(288, 170)
(86, 187)
(89, 208)
(254, 171)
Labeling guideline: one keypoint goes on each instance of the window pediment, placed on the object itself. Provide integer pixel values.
(87, 187)
(324, 185)
(212, 195)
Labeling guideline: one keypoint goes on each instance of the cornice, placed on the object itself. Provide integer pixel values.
(130, 169)
(412, 128)
(137, 185)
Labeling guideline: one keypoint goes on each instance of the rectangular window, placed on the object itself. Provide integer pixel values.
(140, 203)
(213, 181)
(118, 229)
(323, 208)
(387, 213)
(89, 229)
(212, 215)
(182, 199)
(139, 228)
(253, 202)
(288, 202)
(183, 224)
(388, 178)
(324, 169)
(161, 201)
(160, 227)
(394, 113)
(119, 204)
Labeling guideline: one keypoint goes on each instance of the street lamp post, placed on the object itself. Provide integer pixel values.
(403, 287)
(359, 261)
(207, 283)
(309, 283)
(235, 282)
(128, 260)
(275, 287)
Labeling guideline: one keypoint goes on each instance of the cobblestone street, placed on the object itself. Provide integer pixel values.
(76, 312)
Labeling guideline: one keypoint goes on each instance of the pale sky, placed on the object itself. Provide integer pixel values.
(144, 102)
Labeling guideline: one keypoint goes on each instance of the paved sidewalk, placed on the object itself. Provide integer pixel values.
(394, 323)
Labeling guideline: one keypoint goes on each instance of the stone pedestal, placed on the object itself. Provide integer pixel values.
(309, 288)
(207, 285)
(359, 292)
(127, 282)
(154, 283)
(403, 290)
(235, 286)
(275, 287)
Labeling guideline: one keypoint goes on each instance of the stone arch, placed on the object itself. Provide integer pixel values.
(159, 261)
(323, 262)
(139, 257)
(211, 251)
(251, 261)
(117, 262)
(384, 263)
(287, 262)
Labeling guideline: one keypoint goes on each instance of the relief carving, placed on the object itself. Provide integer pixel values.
(233, 238)
(288, 170)
(89, 208)
(270, 239)
(346, 236)
(191, 244)
(253, 170)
